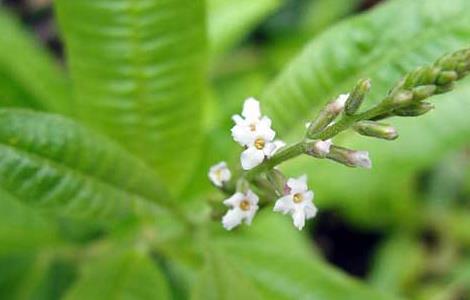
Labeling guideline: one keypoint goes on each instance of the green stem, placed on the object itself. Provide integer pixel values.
(299, 148)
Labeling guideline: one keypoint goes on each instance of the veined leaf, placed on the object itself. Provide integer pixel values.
(139, 73)
(128, 275)
(277, 260)
(30, 69)
(375, 45)
(230, 20)
(51, 162)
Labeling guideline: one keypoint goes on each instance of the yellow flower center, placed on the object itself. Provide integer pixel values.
(298, 198)
(252, 127)
(259, 144)
(245, 205)
(218, 173)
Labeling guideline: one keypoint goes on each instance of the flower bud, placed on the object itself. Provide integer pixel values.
(350, 157)
(447, 77)
(375, 129)
(277, 180)
(327, 115)
(318, 148)
(357, 96)
(423, 92)
(414, 110)
(400, 98)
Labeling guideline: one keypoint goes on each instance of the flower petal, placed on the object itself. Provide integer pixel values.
(234, 200)
(310, 210)
(284, 205)
(242, 135)
(232, 218)
(251, 157)
(299, 219)
(298, 185)
(251, 109)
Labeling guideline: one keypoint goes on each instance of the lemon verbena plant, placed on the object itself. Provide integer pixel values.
(105, 154)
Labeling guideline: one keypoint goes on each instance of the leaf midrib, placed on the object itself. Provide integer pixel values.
(69, 169)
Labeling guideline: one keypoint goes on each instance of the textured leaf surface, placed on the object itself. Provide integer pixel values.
(275, 259)
(129, 275)
(375, 45)
(138, 69)
(51, 162)
(230, 20)
(30, 74)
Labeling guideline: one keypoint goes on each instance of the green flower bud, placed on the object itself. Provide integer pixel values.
(447, 77)
(375, 129)
(400, 98)
(350, 157)
(423, 92)
(414, 110)
(357, 96)
(327, 115)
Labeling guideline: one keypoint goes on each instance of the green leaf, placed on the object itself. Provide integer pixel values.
(278, 261)
(230, 20)
(29, 70)
(222, 280)
(320, 14)
(128, 275)
(53, 163)
(139, 74)
(391, 272)
(376, 46)
(22, 229)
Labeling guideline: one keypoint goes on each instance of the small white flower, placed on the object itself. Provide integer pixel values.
(219, 174)
(337, 106)
(361, 159)
(251, 124)
(258, 150)
(243, 207)
(297, 202)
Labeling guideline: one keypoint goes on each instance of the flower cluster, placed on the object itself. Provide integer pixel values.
(260, 182)
(253, 131)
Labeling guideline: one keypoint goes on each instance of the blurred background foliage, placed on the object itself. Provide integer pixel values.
(402, 228)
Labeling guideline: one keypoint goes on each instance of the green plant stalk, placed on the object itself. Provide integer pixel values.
(299, 148)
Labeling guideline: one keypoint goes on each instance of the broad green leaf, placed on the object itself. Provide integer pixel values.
(375, 45)
(139, 74)
(127, 275)
(280, 263)
(29, 69)
(230, 20)
(22, 229)
(53, 163)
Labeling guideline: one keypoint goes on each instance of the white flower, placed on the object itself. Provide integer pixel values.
(337, 106)
(252, 124)
(298, 202)
(258, 150)
(243, 207)
(219, 174)
(361, 159)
